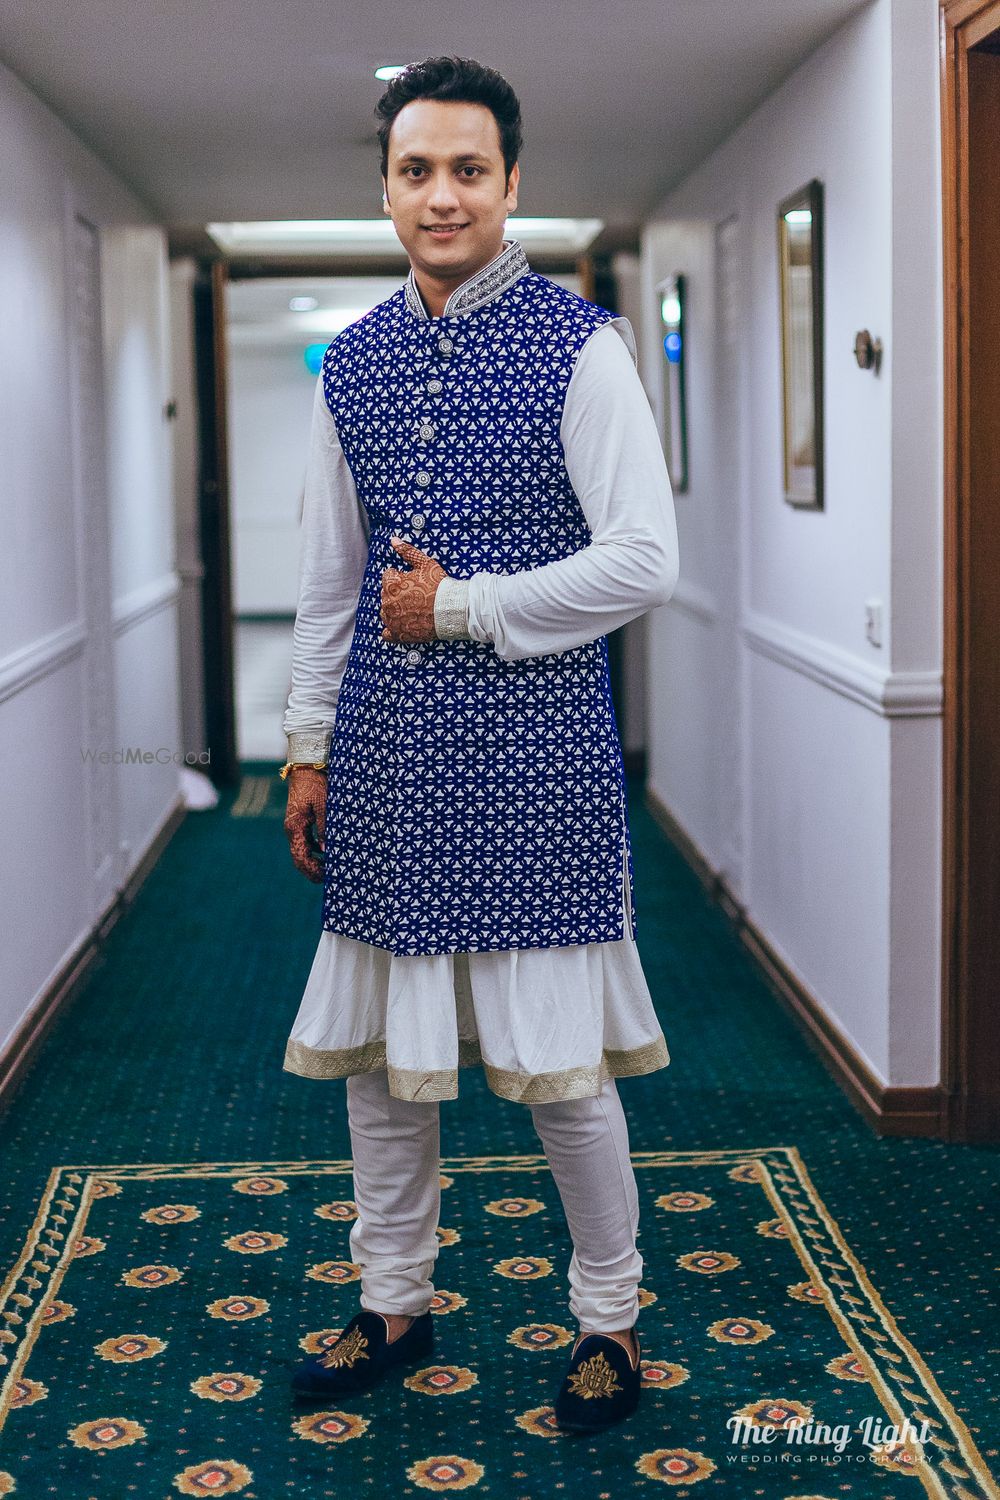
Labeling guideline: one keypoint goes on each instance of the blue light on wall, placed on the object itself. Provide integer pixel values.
(314, 357)
(672, 347)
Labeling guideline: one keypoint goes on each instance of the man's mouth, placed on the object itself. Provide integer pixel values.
(444, 231)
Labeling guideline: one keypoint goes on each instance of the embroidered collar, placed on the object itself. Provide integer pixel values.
(483, 286)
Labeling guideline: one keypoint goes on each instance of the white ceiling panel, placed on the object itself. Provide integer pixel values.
(251, 109)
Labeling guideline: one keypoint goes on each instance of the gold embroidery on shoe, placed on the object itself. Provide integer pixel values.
(346, 1350)
(595, 1377)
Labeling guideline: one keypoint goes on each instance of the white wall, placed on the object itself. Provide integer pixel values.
(87, 586)
(185, 484)
(270, 403)
(803, 760)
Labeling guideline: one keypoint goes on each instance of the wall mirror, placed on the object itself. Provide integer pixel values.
(670, 300)
(800, 264)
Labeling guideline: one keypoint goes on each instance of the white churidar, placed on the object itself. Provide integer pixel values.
(397, 1190)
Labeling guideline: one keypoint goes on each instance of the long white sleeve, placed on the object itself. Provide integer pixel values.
(332, 558)
(618, 471)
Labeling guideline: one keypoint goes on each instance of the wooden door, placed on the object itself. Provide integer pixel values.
(970, 110)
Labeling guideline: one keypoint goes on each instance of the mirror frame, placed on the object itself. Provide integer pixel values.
(808, 496)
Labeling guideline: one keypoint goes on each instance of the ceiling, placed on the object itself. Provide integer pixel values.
(253, 109)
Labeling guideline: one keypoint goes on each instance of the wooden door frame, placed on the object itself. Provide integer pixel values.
(214, 521)
(970, 1083)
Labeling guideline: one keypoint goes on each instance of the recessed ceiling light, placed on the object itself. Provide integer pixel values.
(359, 237)
(390, 70)
(303, 304)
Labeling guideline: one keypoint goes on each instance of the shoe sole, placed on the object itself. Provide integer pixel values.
(584, 1427)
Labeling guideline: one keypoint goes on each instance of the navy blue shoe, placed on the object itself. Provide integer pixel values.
(362, 1355)
(601, 1385)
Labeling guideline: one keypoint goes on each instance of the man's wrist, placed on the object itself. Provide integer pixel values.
(291, 766)
(451, 609)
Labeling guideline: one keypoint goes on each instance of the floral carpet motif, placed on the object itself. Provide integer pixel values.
(150, 1324)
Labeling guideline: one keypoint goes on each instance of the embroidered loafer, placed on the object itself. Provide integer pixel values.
(601, 1385)
(362, 1355)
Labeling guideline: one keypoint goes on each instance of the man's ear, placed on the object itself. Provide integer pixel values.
(512, 182)
(385, 196)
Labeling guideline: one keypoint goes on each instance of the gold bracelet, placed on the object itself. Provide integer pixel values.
(320, 765)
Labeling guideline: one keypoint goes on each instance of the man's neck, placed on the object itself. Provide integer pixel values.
(435, 291)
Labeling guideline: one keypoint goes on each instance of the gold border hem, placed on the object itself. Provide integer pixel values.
(442, 1083)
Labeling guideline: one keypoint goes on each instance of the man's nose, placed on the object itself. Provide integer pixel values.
(443, 196)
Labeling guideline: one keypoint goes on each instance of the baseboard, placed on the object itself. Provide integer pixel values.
(59, 995)
(889, 1111)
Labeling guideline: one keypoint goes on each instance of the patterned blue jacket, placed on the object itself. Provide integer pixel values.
(473, 803)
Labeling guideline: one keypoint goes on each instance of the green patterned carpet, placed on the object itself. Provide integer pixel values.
(175, 1211)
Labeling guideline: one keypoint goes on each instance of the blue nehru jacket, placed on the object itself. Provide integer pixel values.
(473, 803)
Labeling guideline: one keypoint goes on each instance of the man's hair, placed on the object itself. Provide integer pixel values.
(459, 79)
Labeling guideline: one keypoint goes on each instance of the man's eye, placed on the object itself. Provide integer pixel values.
(476, 171)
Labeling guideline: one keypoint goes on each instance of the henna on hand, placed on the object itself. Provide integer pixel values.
(408, 598)
(305, 819)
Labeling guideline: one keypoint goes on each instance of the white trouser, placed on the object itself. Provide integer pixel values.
(396, 1149)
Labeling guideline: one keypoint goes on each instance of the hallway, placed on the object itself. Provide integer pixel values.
(168, 1057)
(498, 421)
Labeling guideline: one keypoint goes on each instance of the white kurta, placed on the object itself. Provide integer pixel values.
(545, 1023)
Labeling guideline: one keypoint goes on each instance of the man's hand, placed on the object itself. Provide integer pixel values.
(305, 817)
(408, 598)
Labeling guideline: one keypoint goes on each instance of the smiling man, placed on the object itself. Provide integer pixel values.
(452, 191)
(486, 498)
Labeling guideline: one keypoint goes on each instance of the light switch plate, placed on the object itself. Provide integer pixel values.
(873, 621)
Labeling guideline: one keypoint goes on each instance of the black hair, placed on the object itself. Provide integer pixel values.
(459, 79)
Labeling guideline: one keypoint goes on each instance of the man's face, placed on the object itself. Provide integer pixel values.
(446, 168)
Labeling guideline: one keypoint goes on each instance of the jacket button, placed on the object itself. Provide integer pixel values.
(434, 387)
(427, 431)
(423, 478)
(445, 346)
(412, 658)
(417, 521)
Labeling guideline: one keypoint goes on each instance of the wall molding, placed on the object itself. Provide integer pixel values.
(691, 599)
(890, 694)
(890, 1111)
(148, 599)
(30, 663)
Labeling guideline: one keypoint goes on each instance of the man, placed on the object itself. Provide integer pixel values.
(486, 498)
